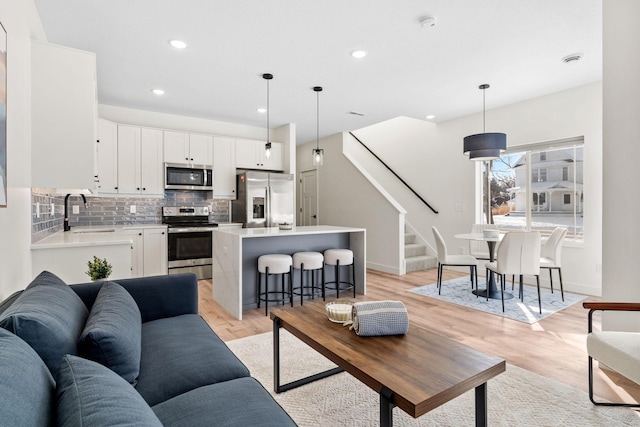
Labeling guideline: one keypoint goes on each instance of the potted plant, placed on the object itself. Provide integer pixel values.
(99, 269)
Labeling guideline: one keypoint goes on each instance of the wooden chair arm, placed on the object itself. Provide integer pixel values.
(617, 306)
(608, 306)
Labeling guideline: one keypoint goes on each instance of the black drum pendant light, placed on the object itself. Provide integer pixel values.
(267, 146)
(485, 146)
(318, 153)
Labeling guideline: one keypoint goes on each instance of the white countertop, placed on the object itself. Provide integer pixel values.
(91, 236)
(247, 233)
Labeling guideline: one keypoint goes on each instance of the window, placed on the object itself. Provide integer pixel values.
(539, 175)
(527, 194)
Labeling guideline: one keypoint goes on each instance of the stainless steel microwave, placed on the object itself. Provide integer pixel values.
(186, 177)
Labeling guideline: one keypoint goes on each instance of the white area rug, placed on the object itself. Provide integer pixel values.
(516, 397)
(458, 291)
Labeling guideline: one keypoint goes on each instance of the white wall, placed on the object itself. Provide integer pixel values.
(429, 157)
(22, 23)
(621, 225)
(570, 113)
(347, 198)
(430, 160)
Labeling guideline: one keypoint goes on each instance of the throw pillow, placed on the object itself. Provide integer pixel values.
(27, 390)
(113, 333)
(49, 316)
(90, 394)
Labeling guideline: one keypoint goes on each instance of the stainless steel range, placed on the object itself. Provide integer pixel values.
(189, 239)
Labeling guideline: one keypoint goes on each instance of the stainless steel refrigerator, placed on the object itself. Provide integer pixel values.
(265, 199)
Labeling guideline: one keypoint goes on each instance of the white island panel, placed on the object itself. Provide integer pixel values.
(236, 251)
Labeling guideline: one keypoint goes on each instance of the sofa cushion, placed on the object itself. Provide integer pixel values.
(49, 316)
(239, 402)
(27, 390)
(90, 394)
(112, 335)
(180, 354)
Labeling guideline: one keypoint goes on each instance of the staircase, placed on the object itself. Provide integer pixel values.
(415, 255)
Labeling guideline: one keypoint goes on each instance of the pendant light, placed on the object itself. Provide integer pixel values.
(318, 153)
(267, 146)
(485, 146)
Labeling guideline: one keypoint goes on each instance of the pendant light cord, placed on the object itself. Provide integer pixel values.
(317, 120)
(484, 110)
(268, 111)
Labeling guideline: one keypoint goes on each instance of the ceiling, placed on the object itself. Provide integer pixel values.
(516, 46)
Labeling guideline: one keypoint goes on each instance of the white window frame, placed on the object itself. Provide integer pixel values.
(528, 149)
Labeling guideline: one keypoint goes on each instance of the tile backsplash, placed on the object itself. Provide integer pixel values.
(114, 211)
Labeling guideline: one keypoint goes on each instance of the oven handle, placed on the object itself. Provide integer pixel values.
(190, 230)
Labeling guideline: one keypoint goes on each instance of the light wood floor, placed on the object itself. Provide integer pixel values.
(554, 347)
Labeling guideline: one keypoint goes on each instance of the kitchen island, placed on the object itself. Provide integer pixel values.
(236, 252)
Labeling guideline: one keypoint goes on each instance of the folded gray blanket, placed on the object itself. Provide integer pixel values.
(372, 318)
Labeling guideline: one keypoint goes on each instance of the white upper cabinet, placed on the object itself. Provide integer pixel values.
(250, 154)
(63, 116)
(152, 168)
(176, 147)
(129, 179)
(188, 148)
(140, 168)
(224, 167)
(201, 149)
(107, 157)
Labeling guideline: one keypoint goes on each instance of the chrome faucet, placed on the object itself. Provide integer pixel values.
(67, 227)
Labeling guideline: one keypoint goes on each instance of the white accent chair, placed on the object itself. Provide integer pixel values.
(445, 259)
(619, 351)
(550, 255)
(518, 254)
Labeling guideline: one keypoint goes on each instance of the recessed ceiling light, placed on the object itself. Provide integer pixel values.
(573, 58)
(178, 44)
(261, 110)
(430, 117)
(158, 91)
(358, 54)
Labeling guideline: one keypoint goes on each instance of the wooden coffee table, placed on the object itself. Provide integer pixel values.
(416, 372)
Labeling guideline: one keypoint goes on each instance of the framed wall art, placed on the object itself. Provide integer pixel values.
(3, 117)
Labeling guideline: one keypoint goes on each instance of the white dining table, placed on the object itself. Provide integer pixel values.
(492, 288)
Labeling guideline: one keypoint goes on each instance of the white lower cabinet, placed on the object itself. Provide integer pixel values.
(148, 251)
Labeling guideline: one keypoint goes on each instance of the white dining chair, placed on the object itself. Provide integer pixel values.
(518, 254)
(445, 259)
(550, 255)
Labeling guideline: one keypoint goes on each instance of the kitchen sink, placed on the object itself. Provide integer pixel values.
(94, 230)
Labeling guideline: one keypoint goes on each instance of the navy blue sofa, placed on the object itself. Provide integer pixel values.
(130, 352)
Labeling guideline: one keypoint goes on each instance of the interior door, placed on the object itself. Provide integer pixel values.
(309, 197)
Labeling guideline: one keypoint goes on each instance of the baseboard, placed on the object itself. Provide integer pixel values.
(384, 268)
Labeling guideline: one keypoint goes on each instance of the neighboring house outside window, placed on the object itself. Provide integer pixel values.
(556, 172)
